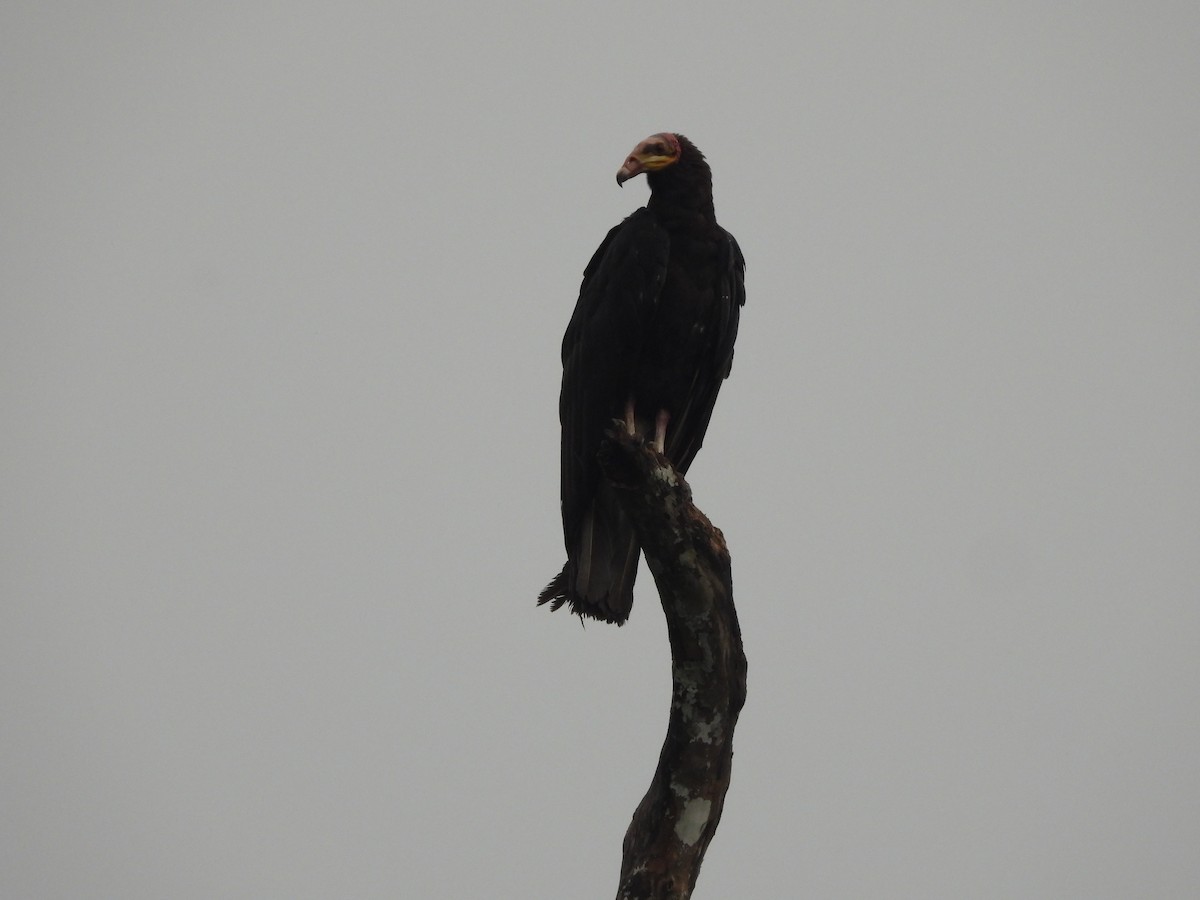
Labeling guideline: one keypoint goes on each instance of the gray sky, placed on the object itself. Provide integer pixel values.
(282, 293)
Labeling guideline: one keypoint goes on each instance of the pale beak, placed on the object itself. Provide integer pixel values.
(633, 166)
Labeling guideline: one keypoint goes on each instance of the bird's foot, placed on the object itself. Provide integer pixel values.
(660, 431)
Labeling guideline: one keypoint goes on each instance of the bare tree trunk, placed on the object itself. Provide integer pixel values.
(677, 818)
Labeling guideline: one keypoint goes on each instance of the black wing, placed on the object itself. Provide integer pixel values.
(690, 424)
(620, 287)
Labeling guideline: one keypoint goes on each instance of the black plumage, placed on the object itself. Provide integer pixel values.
(649, 343)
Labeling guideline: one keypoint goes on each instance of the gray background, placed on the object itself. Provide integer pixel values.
(283, 287)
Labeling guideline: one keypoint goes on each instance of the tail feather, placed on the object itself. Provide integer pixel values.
(597, 580)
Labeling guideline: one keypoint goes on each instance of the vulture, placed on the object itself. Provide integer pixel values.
(647, 347)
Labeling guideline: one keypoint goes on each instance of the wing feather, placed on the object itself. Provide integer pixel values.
(692, 422)
(620, 288)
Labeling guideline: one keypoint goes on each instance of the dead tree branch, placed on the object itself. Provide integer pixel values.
(686, 553)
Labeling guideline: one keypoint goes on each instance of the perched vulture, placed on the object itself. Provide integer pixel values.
(649, 343)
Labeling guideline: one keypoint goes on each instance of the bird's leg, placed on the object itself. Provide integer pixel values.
(630, 424)
(660, 430)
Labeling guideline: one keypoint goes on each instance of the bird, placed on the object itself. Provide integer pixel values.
(648, 346)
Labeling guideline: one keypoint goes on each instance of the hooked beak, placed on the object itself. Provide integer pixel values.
(633, 166)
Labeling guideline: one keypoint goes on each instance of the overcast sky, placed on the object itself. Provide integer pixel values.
(283, 286)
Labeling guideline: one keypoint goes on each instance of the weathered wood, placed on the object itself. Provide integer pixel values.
(686, 553)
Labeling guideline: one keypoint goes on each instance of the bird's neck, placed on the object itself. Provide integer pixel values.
(681, 198)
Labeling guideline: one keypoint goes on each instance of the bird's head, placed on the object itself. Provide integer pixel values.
(654, 153)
